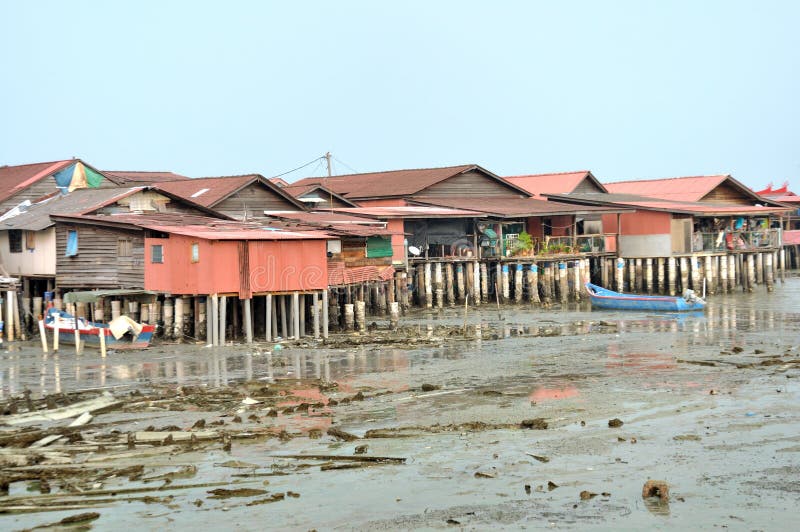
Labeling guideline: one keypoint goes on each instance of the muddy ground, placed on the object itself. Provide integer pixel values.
(552, 419)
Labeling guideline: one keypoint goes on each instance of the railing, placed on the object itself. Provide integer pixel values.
(736, 240)
(572, 244)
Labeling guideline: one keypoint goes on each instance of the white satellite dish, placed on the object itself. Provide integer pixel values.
(414, 250)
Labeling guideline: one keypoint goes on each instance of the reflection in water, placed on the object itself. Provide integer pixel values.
(543, 394)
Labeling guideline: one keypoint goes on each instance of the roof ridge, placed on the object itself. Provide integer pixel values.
(666, 178)
(140, 171)
(226, 176)
(388, 172)
(41, 162)
(549, 173)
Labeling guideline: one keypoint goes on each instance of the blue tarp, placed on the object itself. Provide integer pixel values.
(64, 177)
(72, 243)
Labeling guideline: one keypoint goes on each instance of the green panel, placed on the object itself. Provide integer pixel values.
(379, 246)
(93, 179)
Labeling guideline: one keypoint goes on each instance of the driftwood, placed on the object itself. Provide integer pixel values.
(345, 458)
(98, 404)
(176, 436)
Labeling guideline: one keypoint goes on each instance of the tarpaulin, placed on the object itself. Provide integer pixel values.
(72, 243)
(77, 176)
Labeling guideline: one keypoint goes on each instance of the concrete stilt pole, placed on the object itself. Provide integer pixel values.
(769, 273)
(648, 275)
(619, 273)
(672, 275)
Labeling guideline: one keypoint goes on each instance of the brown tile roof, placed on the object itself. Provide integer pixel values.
(208, 191)
(503, 206)
(132, 178)
(392, 183)
(557, 183)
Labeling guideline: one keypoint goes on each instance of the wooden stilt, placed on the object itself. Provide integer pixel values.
(428, 286)
(684, 266)
(708, 271)
(751, 270)
(518, 290)
(731, 272)
(449, 284)
(214, 315)
(284, 317)
(484, 278)
(759, 265)
(562, 282)
(782, 264)
(672, 275)
(769, 273)
(296, 315)
(301, 315)
(223, 317)
(460, 289)
(325, 327)
(248, 321)
(268, 318)
(315, 313)
(361, 318)
(576, 279)
(533, 283)
(619, 273)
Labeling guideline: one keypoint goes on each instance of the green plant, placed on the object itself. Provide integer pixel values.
(524, 244)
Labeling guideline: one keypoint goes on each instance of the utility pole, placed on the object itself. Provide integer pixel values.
(328, 159)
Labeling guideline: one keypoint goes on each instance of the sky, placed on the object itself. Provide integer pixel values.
(628, 90)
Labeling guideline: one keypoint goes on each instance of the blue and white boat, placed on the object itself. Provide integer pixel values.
(608, 299)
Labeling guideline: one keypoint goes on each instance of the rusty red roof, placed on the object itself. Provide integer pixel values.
(395, 183)
(691, 188)
(132, 178)
(791, 238)
(409, 211)
(332, 222)
(203, 227)
(339, 275)
(557, 183)
(208, 191)
(298, 191)
(667, 205)
(14, 179)
(501, 206)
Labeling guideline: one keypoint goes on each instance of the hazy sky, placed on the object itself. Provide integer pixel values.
(626, 89)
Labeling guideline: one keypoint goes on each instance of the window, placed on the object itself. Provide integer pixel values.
(72, 243)
(123, 247)
(15, 241)
(195, 252)
(30, 240)
(157, 254)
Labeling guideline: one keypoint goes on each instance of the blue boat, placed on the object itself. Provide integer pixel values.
(608, 299)
(90, 332)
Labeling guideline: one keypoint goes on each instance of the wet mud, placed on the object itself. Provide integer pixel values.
(561, 418)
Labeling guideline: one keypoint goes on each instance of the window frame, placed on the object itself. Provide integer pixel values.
(16, 241)
(160, 253)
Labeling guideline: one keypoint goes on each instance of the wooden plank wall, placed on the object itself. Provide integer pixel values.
(726, 194)
(252, 201)
(469, 184)
(98, 264)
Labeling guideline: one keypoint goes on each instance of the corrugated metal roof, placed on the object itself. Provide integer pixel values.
(37, 217)
(208, 191)
(334, 222)
(501, 206)
(13, 179)
(557, 183)
(298, 191)
(197, 226)
(132, 178)
(410, 211)
(791, 238)
(684, 207)
(395, 183)
(692, 188)
(339, 275)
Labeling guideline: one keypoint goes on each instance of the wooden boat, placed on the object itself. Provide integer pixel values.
(90, 332)
(608, 299)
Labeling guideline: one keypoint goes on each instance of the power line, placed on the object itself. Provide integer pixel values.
(346, 165)
(298, 168)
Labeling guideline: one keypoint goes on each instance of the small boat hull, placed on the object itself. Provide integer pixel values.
(90, 332)
(608, 299)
